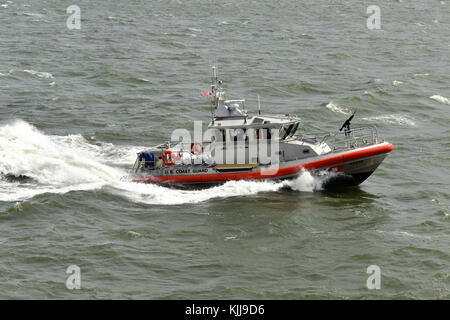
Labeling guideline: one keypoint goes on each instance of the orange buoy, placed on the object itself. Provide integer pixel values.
(197, 148)
(167, 158)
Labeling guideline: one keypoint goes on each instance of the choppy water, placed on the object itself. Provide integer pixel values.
(76, 105)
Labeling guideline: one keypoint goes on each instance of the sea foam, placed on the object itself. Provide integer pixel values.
(60, 164)
(440, 99)
(393, 119)
(338, 109)
(39, 74)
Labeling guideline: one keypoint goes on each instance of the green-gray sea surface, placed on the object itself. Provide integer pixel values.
(76, 106)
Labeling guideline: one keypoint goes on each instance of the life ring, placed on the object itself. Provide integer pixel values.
(167, 158)
(197, 148)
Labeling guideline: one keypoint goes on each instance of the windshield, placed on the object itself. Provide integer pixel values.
(294, 130)
(288, 130)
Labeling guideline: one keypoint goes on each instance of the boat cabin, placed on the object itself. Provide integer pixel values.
(234, 127)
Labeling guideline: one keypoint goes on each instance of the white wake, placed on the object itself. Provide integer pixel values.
(60, 164)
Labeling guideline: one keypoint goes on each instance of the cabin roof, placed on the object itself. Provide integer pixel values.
(259, 121)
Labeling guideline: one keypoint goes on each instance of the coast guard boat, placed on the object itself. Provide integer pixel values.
(239, 146)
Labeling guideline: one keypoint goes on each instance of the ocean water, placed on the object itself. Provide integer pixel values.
(76, 105)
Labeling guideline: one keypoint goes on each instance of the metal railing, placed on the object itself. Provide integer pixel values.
(342, 140)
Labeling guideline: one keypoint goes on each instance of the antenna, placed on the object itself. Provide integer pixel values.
(259, 106)
(213, 69)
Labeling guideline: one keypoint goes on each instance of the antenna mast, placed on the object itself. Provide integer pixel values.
(213, 92)
(259, 106)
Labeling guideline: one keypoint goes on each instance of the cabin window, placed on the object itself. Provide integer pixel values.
(239, 134)
(218, 135)
(288, 131)
(267, 133)
(285, 130)
(294, 129)
(263, 133)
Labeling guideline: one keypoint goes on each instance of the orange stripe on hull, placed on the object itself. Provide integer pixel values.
(267, 174)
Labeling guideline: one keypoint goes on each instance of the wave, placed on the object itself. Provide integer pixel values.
(32, 14)
(421, 75)
(338, 109)
(40, 74)
(440, 99)
(399, 233)
(60, 164)
(56, 164)
(392, 119)
(10, 72)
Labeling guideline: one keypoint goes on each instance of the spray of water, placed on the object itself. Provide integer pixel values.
(59, 164)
